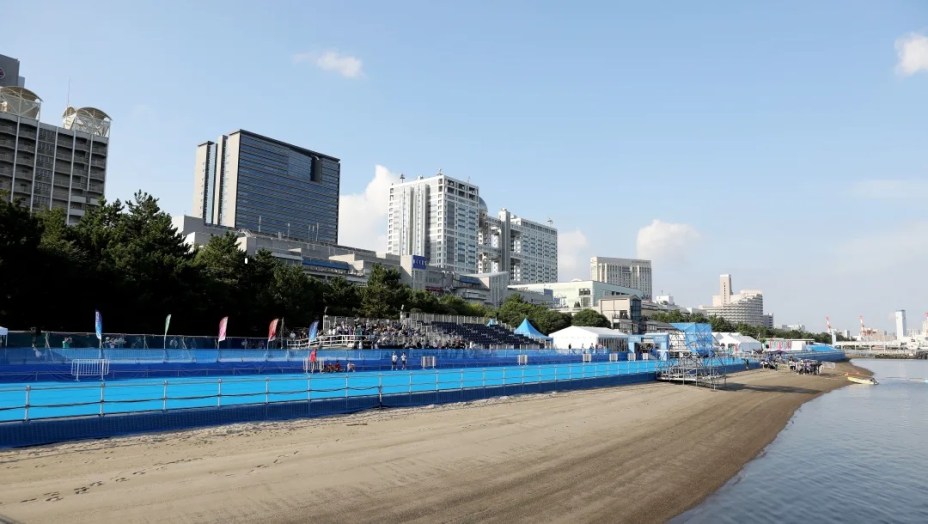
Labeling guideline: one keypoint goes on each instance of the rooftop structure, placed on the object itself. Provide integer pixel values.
(46, 167)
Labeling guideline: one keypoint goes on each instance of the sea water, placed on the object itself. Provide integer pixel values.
(857, 454)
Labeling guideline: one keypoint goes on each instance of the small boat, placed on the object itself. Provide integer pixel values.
(870, 381)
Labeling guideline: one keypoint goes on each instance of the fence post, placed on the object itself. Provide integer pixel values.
(164, 397)
(219, 393)
(26, 414)
(483, 378)
(504, 380)
(102, 400)
(267, 390)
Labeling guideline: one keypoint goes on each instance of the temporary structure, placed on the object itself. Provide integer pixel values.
(585, 337)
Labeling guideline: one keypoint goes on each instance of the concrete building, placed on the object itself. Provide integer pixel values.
(446, 221)
(43, 166)
(626, 272)
(571, 297)
(522, 247)
(435, 217)
(901, 330)
(248, 181)
(746, 307)
(623, 313)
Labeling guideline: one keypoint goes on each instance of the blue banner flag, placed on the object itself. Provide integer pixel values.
(313, 331)
(98, 324)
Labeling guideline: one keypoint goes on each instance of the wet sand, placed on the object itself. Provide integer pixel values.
(628, 454)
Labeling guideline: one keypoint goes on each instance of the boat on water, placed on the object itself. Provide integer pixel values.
(870, 381)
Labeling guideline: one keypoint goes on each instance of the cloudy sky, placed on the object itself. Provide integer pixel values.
(782, 142)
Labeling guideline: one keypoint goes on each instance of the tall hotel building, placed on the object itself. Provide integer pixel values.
(248, 181)
(44, 166)
(446, 221)
(625, 272)
(746, 307)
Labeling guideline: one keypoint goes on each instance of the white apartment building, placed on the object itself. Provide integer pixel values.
(526, 249)
(627, 272)
(446, 221)
(436, 217)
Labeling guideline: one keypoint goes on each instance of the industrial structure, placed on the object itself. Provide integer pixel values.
(42, 166)
(248, 181)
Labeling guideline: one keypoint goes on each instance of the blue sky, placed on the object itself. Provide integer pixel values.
(782, 142)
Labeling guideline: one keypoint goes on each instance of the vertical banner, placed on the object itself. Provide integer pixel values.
(313, 331)
(272, 330)
(167, 324)
(222, 328)
(98, 324)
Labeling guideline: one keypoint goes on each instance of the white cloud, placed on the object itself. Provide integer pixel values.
(891, 188)
(666, 243)
(362, 218)
(346, 65)
(573, 255)
(912, 50)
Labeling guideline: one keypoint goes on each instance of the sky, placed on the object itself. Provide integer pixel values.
(784, 143)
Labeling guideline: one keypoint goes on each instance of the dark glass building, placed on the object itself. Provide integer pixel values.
(249, 181)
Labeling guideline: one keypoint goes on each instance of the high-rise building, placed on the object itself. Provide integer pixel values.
(43, 166)
(626, 272)
(446, 221)
(526, 249)
(746, 307)
(248, 181)
(435, 217)
(900, 324)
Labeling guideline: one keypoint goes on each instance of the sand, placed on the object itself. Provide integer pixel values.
(627, 454)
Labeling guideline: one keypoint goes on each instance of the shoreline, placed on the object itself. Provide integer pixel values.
(643, 453)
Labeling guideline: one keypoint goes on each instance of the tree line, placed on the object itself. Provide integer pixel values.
(129, 262)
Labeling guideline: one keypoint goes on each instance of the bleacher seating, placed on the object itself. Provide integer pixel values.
(480, 335)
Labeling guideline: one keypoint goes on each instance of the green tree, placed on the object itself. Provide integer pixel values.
(589, 317)
(340, 298)
(20, 236)
(384, 294)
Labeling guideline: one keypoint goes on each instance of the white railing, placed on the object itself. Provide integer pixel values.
(127, 397)
(90, 367)
(523, 360)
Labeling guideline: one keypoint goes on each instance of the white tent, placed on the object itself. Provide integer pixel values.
(584, 337)
(737, 342)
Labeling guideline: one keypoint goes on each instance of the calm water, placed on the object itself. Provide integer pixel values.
(858, 454)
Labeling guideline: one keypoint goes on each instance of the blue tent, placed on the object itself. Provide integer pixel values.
(526, 328)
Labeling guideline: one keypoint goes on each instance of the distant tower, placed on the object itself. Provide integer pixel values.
(900, 324)
(834, 336)
(862, 328)
(725, 289)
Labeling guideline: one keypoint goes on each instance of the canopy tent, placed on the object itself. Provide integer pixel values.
(584, 337)
(527, 329)
(737, 342)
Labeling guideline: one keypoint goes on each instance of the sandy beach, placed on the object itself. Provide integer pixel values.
(628, 454)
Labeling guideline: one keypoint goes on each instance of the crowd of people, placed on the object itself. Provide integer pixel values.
(390, 334)
(803, 366)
